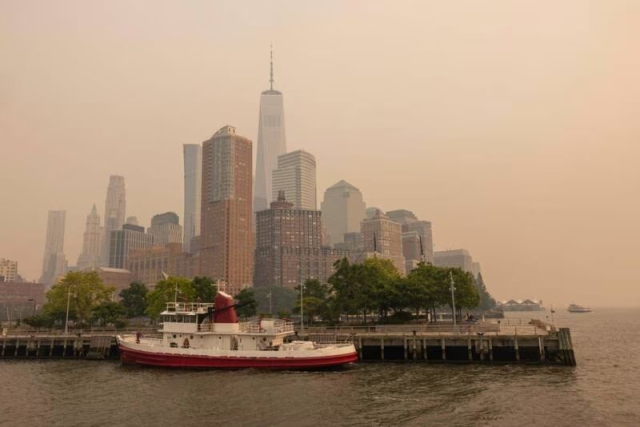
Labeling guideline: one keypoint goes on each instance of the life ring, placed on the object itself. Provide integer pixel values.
(185, 343)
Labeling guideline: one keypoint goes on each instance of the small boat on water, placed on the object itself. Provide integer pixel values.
(209, 335)
(575, 308)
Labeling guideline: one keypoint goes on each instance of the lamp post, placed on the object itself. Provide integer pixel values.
(66, 322)
(301, 309)
(270, 305)
(33, 306)
(453, 300)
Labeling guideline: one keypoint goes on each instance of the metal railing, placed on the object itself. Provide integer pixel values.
(488, 328)
(18, 332)
(256, 326)
(189, 307)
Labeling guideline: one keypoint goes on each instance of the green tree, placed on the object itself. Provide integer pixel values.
(315, 297)
(487, 302)
(247, 303)
(205, 289)
(284, 314)
(345, 283)
(276, 298)
(107, 313)
(466, 292)
(82, 290)
(170, 289)
(380, 279)
(427, 287)
(134, 299)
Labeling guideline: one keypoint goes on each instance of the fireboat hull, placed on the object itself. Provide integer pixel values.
(277, 361)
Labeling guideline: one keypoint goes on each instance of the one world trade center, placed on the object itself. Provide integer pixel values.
(271, 143)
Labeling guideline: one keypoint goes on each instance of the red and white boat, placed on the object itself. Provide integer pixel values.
(197, 335)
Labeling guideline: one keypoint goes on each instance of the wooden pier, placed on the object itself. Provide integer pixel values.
(47, 346)
(532, 343)
(485, 343)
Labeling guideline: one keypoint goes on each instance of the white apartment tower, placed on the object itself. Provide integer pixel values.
(271, 144)
(8, 270)
(54, 264)
(296, 176)
(342, 211)
(114, 213)
(192, 193)
(92, 243)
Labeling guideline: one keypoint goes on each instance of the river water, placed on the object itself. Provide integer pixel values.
(604, 389)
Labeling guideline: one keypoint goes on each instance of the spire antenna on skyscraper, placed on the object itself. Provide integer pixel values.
(271, 143)
(271, 79)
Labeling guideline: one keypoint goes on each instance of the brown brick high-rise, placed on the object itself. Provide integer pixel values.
(226, 232)
(289, 246)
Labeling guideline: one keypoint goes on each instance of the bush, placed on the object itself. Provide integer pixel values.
(120, 323)
(397, 318)
(39, 321)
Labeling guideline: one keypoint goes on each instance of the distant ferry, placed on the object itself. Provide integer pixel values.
(575, 308)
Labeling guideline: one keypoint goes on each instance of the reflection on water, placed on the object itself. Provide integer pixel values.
(602, 390)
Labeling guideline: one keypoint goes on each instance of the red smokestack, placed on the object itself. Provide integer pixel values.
(223, 314)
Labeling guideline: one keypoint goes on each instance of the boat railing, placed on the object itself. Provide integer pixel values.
(153, 342)
(189, 307)
(206, 327)
(274, 326)
(327, 340)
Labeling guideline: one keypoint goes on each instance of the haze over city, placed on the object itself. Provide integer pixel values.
(511, 126)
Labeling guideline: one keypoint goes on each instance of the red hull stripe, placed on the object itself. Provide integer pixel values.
(183, 361)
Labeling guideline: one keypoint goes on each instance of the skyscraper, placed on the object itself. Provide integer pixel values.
(342, 210)
(271, 143)
(8, 270)
(296, 176)
(114, 213)
(410, 223)
(455, 258)
(127, 239)
(192, 196)
(92, 242)
(226, 230)
(289, 246)
(54, 262)
(382, 237)
(165, 228)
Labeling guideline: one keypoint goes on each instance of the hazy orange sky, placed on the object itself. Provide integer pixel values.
(514, 126)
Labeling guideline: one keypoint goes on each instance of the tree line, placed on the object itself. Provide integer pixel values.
(86, 301)
(374, 289)
(371, 290)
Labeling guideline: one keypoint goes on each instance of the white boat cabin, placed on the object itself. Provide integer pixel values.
(191, 325)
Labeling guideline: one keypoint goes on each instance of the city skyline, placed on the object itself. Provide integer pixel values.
(519, 149)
